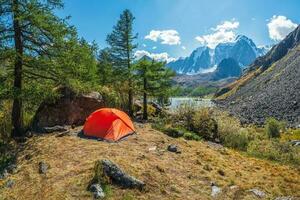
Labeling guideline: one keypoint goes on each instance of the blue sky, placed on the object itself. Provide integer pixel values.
(180, 26)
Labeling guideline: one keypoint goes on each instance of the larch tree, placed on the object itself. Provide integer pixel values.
(30, 37)
(155, 80)
(121, 45)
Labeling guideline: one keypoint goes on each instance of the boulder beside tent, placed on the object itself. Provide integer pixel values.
(108, 124)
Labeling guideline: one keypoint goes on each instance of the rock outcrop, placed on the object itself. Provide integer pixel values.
(69, 109)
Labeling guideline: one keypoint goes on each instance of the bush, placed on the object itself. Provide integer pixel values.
(273, 127)
(205, 125)
(238, 140)
(184, 115)
(191, 136)
(274, 150)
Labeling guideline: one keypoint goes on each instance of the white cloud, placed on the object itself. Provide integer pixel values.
(224, 32)
(183, 47)
(170, 37)
(155, 47)
(279, 27)
(156, 56)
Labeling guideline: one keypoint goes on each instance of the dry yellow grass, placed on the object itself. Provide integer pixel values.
(167, 175)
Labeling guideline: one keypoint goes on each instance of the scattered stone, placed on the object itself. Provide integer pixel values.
(97, 191)
(173, 148)
(4, 174)
(43, 167)
(258, 193)
(295, 142)
(54, 129)
(153, 148)
(214, 145)
(9, 183)
(119, 177)
(233, 187)
(175, 133)
(215, 190)
(12, 168)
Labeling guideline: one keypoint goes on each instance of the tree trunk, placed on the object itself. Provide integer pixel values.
(17, 121)
(130, 100)
(145, 101)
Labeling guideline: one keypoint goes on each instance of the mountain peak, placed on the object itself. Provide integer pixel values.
(242, 49)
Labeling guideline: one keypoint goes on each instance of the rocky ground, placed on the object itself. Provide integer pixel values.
(60, 166)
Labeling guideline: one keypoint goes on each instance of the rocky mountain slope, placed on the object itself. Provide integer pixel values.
(271, 86)
(202, 170)
(204, 59)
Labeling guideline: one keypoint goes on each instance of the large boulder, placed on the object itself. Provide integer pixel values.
(69, 109)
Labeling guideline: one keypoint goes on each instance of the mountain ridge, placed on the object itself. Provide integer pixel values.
(204, 59)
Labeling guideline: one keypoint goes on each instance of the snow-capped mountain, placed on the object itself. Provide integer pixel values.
(203, 59)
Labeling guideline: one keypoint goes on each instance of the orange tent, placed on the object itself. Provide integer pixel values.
(108, 124)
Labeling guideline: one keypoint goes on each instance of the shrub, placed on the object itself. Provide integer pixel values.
(274, 150)
(204, 124)
(183, 116)
(239, 140)
(191, 136)
(273, 127)
(173, 132)
(226, 124)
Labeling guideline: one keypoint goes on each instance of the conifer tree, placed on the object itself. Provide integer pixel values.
(121, 42)
(30, 36)
(155, 80)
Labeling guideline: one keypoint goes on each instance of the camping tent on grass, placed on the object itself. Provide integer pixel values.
(108, 124)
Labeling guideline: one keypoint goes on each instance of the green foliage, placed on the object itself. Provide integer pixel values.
(105, 68)
(205, 125)
(238, 140)
(273, 127)
(274, 150)
(191, 136)
(183, 116)
(5, 121)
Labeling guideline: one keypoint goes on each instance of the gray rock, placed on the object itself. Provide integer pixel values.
(119, 177)
(215, 190)
(43, 167)
(173, 148)
(12, 168)
(295, 142)
(9, 183)
(257, 192)
(4, 174)
(97, 191)
(54, 129)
